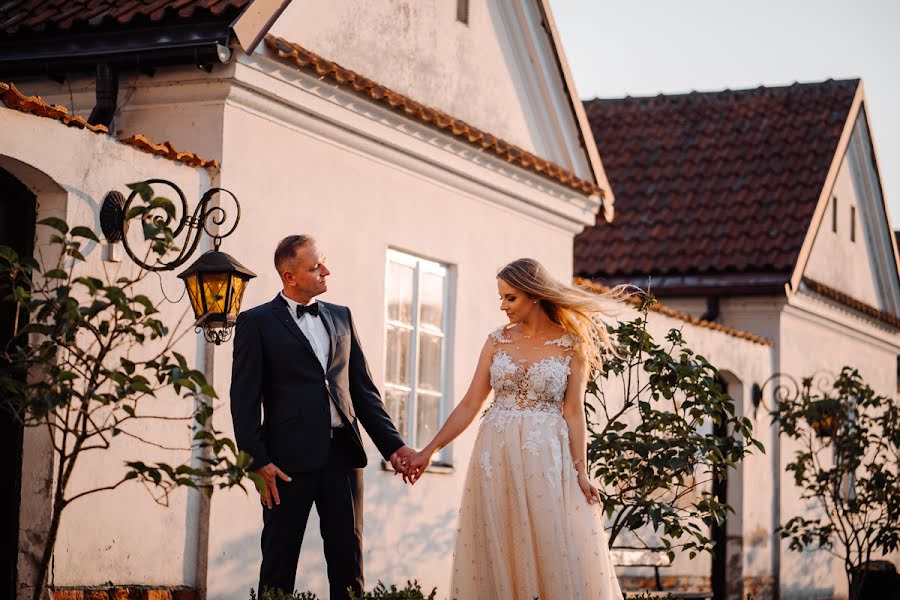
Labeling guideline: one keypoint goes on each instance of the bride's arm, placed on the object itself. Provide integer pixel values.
(461, 417)
(573, 412)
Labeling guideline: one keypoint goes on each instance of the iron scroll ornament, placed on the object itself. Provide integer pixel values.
(114, 217)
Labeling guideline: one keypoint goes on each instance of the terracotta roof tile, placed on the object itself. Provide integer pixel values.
(35, 105)
(712, 183)
(305, 60)
(851, 302)
(682, 316)
(37, 16)
(166, 149)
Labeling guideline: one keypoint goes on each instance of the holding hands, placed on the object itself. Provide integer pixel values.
(411, 464)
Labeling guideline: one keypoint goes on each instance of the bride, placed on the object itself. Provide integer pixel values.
(530, 524)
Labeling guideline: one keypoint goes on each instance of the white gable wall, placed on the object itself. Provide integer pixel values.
(498, 73)
(864, 268)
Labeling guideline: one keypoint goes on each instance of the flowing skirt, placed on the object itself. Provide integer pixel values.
(526, 530)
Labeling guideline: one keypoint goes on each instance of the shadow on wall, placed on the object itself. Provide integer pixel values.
(808, 575)
(237, 561)
(411, 529)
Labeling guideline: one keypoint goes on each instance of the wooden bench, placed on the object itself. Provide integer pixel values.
(651, 557)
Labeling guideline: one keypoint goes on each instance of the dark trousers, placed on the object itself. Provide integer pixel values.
(337, 492)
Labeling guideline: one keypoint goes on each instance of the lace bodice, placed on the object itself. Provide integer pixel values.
(532, 380)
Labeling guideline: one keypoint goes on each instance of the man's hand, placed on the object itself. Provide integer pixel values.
(399, 461)
(270, 474)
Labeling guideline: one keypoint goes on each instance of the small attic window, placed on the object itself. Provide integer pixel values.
(834, 216)
(462, 11)
(852, 223)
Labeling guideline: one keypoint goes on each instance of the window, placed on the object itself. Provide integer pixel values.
(852, 223)
(416, 346)
(834, 213)
(462, 11)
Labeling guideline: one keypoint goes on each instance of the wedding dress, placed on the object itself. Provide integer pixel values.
(525, 528)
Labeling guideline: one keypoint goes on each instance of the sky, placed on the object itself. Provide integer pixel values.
(646, 47)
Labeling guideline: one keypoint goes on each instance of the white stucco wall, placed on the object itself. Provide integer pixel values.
(818, 338)
(70, 170)
(480, 72)
(836, 260)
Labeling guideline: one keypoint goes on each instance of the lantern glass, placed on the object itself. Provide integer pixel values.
(215, 285)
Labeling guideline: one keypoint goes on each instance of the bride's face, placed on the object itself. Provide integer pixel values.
(514, 302)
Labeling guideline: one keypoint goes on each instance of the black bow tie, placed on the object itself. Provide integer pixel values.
(311, 309)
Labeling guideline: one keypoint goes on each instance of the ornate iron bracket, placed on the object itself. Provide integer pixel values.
(114, 217)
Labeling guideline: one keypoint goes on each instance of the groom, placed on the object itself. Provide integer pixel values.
(300, 361)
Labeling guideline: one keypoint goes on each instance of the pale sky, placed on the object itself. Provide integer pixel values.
(646, 47)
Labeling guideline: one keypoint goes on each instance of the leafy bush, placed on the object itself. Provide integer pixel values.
(847, 465)
(412, 591)
(68, 371)
(647, 445)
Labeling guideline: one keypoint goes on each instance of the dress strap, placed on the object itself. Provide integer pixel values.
(498, 336)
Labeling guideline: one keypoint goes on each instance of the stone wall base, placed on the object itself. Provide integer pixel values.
(670, 583)
(123, 592)
(762, 587)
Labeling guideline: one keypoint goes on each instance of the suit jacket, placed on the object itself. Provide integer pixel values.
(275, 369)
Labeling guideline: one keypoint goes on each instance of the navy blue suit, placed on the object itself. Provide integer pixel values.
(276, 374)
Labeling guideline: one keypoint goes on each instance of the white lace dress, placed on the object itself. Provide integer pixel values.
(525, 528)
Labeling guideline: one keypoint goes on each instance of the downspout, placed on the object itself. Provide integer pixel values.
(712, 309)
(107, 90)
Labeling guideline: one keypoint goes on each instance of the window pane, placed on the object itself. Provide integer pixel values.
(397, 356)
(432, 299)
(396, 405)
(430, 354)
(400, 292)
(428, 415)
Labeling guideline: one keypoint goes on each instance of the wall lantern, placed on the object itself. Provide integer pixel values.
(215, 282)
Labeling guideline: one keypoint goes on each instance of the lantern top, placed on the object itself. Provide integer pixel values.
(214, 261)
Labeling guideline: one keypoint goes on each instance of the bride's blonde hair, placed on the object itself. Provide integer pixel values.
(579, 312)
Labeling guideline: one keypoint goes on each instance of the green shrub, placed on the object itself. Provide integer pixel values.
(412, 591)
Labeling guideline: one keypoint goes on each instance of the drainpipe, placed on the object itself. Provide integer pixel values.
(107, 90)
(712, 309)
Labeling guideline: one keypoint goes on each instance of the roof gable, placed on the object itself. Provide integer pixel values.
(713, 189)
(851, 246)
(501, 71)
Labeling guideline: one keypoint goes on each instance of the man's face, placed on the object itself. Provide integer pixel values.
(305, 275)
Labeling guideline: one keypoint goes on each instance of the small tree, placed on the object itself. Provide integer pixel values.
(846, 467)
(646, 413)
(89, 360)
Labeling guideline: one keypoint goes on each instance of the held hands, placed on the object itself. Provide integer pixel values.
(410, 464)
(270, 474)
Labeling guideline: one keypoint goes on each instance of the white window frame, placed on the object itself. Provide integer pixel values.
(419, 265)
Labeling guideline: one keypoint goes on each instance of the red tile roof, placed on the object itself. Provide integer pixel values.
(719, 185)
(682, 316)
(37, 16)
(851, 302)
(35, 105)
(300, 57)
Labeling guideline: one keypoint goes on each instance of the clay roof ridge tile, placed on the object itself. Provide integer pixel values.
(432, 116)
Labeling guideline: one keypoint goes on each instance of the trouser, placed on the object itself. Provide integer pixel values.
(337, 492)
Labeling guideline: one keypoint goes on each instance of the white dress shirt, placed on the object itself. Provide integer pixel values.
(314, 330)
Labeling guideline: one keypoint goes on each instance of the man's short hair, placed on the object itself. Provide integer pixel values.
(287, 249)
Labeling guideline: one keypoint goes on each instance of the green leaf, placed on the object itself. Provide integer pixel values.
(55, 223)
(84, 232)
(142, 188)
